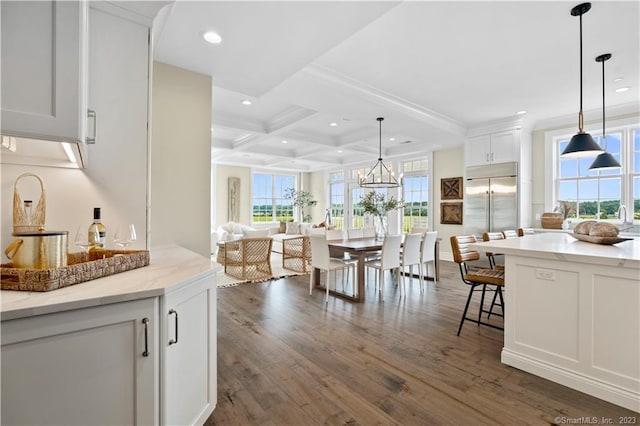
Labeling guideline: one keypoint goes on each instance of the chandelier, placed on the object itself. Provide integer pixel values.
(380, 175)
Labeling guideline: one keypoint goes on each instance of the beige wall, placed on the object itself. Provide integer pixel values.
(446, 164)
(221, 202)
(316, 185)
(180, 196)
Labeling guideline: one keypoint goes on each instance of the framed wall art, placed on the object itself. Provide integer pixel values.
(451, 213)
(234, 199)
(451, 188)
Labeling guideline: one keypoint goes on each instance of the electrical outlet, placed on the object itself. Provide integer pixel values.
(546, 274)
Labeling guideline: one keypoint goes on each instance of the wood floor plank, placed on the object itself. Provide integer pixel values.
(287, 358)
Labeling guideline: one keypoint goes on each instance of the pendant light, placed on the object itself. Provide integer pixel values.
(605, 160)
(582, 144)
(380, 175)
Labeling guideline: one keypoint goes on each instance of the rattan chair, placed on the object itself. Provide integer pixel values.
(482, 280)
(296, 254)
(249, 259)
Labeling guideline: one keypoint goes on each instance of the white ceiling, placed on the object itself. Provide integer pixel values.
(432, 69)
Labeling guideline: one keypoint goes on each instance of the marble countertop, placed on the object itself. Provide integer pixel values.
(170, 268)
(562, 246)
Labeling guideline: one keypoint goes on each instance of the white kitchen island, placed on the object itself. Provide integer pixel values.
(138, 347)
(572, 313)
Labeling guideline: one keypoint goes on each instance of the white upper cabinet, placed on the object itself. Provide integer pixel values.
(501, 147)
(44, 66)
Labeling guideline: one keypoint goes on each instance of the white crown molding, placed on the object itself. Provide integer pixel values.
(591, 115)
(293, 115)
(140, 12)
(508, 123)
(239, 123)
(387, 99)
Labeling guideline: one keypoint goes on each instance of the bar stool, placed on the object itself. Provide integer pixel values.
(482, 280)
(492, 236)
(525, 231)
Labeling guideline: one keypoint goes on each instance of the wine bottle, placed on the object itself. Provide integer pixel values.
(97, 232)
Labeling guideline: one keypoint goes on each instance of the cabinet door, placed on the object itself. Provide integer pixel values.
(82, 367)
(118, 92)
(503, 147)
(477, 150)
(188, 344)
(43, 69)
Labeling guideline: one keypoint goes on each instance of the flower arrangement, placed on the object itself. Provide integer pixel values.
(376, 203)
(302, 199)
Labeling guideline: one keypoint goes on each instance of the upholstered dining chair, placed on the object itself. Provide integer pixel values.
(249, 258)
(321, 260)
(353, 233)
(388, 260)
(427, 255)
(482, 280)
(409, 256)
(492, 236)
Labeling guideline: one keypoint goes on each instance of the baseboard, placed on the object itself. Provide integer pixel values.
(623, 397)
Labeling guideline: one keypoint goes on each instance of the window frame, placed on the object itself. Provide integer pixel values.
(625, 126)
(274, 199)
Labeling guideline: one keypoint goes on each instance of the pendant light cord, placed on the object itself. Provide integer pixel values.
(604, 133)
(380, 139)
(580, 114)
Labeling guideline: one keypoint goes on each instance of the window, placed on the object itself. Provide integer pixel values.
(336, 195)
(415, 192)
(268, 203)
(600, 194)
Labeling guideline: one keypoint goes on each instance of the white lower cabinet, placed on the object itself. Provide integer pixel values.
(188, 353)
(146, 361)
(92, 366)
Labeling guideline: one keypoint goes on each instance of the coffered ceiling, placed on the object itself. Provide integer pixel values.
(431, 69)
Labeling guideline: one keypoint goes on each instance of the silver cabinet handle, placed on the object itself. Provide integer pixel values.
(92, 114)
(172, 341)
(487, 157)
(145, 321)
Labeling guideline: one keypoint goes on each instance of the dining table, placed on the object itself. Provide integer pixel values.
(359, 248)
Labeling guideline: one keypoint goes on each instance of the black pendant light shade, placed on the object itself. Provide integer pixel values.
(380, 175)
(581, 144)
(604, 161)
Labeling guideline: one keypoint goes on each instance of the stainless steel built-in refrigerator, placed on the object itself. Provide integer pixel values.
(491, 198)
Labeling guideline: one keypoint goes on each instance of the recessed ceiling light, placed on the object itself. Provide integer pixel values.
(339, 151)
(622, 89)
(212, 37)
(615, 80)
(284, 141)
(246, 102)
(521, 112)
(334, 124)
(392, 139)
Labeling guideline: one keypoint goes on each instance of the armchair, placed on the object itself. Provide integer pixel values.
(249, 258)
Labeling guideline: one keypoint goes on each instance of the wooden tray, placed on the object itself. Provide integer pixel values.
(599, 240)
(81, 267)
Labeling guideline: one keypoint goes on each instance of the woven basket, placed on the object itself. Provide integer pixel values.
(551, 220)
(81, 267)
(22, 222)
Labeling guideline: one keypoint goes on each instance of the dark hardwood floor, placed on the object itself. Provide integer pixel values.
(287, 358)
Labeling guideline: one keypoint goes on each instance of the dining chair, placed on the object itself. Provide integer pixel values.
(354, 233)
(428, 255)
(249, 258)
(369, 232)
(321, 260)
(410, 256)
(492, 236)
(334, 234)
(525, 231)
(510, 233)
(478, 280)
(389, 259)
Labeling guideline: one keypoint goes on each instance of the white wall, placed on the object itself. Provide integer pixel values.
(446, 164)
(180, 199)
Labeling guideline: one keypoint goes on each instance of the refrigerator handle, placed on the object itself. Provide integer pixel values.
(491, 211)
(488, 208)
